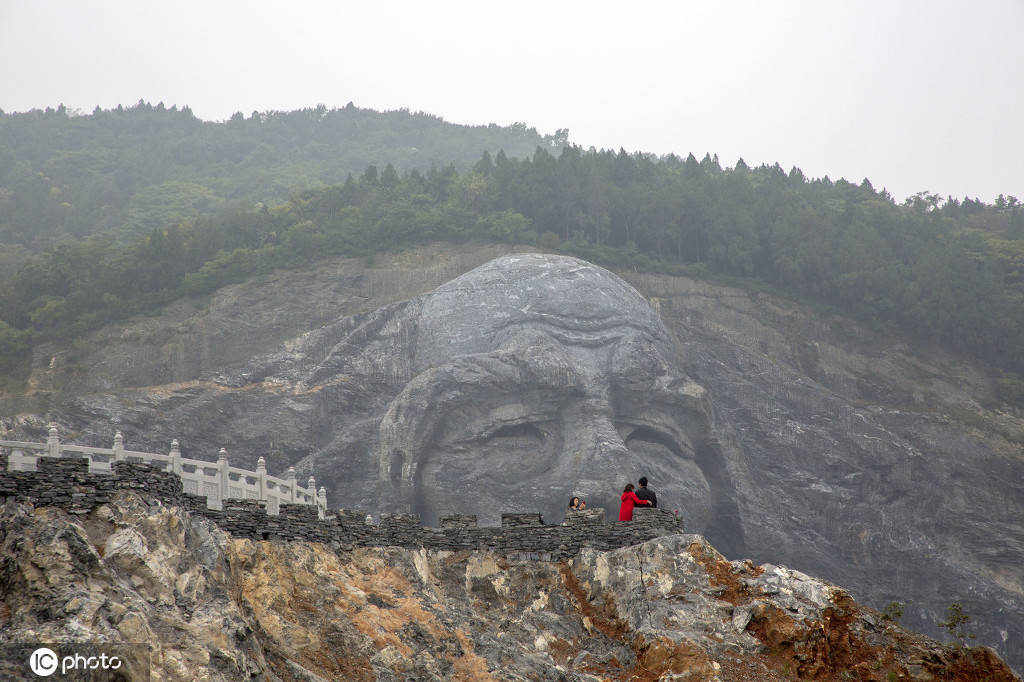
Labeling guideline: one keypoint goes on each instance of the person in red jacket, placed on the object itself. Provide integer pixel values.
(629, 500)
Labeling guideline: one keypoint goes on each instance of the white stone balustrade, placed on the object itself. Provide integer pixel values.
(216, 481)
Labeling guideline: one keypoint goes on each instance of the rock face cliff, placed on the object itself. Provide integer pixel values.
(214, 607)
(785, 435)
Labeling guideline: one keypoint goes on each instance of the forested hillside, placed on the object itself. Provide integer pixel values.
(949, 271)
(132, 170)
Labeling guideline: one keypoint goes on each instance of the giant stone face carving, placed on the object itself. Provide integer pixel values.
(538, 377)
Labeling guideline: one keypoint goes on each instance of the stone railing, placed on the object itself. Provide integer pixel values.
(66, 483)
(216, 481)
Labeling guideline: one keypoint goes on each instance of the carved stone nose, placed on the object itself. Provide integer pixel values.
(602, 461)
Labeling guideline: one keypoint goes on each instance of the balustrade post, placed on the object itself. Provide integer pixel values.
(52, 441)
(175, 456)
(261, 478)
(225, 478)
(16, 462)
(311, 487)
(118, 446)
(292, 484)
(321, 502)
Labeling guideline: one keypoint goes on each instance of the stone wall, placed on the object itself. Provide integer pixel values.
(65, 482)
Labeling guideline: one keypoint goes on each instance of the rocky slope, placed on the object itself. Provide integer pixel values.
(841, 451)
(212, 607)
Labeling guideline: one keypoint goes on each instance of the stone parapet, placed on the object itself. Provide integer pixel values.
(458, 521)
(65, 482)
(577, 517)
(521, 520)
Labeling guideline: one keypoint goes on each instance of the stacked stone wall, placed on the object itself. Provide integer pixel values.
(65, 482)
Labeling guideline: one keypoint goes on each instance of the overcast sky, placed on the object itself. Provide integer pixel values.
(914, 95)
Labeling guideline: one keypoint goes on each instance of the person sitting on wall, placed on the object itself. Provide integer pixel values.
(645, 493)
(629, 500)
(577, 504)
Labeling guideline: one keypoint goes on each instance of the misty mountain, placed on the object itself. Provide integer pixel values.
(135, 169)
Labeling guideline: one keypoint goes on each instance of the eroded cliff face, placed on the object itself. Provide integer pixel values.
(212, 607)
(837, 450)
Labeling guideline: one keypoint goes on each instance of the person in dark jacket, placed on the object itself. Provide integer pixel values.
(629, 500)
(645, 493)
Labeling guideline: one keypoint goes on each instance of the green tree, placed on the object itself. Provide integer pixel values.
(956, 622)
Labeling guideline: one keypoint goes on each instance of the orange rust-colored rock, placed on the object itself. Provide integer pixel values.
(469, 667)
(663, 656)
(721, 574)
(603, 619)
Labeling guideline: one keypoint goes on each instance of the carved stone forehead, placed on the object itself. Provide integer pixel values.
(573, 302)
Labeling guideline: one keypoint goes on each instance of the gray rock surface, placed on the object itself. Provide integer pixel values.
(785, 435)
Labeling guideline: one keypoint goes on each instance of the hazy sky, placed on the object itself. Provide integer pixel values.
(915, 95)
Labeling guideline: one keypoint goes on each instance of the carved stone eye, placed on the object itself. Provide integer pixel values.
(647, 439)
(525, 431)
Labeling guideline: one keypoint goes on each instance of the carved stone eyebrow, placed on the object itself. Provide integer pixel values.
(607, 326)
